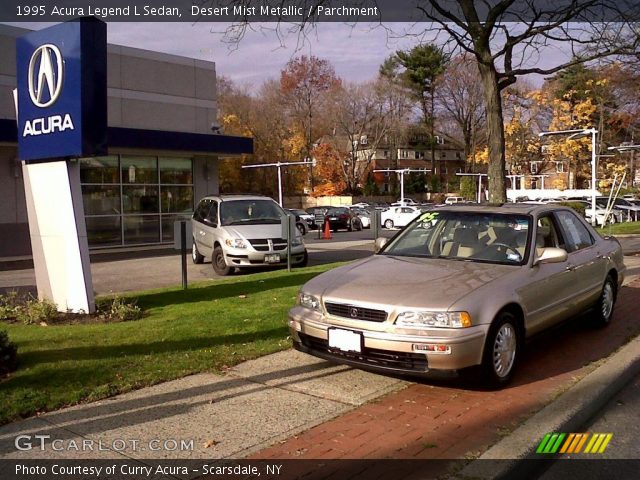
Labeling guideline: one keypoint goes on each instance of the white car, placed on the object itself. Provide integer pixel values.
(453, 200)
(405, 202)
(399, 216)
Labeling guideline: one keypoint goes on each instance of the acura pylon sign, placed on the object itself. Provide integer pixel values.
(62, 116)
(62, 106)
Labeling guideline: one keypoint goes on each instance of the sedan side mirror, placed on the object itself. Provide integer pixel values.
(379, 244)
(551, 255)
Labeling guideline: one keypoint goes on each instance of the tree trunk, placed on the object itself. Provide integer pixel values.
(495, 133)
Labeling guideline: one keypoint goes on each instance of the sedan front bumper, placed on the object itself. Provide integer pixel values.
(387, 351)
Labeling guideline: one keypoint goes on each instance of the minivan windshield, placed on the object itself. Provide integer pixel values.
(465, 236)
(250, 212)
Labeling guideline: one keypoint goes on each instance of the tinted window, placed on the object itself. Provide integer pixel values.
(577, 235)
(245, 212)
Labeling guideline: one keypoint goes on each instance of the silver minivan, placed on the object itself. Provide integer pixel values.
(242, 231)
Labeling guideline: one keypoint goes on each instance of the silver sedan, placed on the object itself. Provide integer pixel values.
(460, 288)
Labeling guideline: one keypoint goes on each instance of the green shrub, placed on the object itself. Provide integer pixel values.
(8, 354)
(35, 311)
(577, 206)
(119, 310)
(9, 305)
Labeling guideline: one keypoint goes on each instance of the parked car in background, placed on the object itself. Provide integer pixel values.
(398, 217)
(615, 216)
(632, 212)
(304, 220)
(453, 200)
(242, 231)
(462, 289)
(342, 218)
(364, 215)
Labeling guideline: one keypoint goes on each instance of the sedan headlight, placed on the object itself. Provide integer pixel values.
(235, 243)
(308, 301)
(433, 319)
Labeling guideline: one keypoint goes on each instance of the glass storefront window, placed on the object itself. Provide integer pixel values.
(104, 231)
(139, 170)
(101, 199)
(141, 229)
(99, 170)
(177, 199)
(140, 199)
(132, 200)
(175, 171)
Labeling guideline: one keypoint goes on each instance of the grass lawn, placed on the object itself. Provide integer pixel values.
(621, 228)
(211, 326)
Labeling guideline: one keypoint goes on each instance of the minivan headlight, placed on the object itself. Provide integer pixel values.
(308, 301)
(434, 319)
(235, 243)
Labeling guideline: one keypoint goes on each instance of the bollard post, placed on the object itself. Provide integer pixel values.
(183, 252)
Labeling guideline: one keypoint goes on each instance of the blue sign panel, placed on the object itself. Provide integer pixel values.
(62, 91)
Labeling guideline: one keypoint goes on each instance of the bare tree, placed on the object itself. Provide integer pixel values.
(461, 99)
(366, 115)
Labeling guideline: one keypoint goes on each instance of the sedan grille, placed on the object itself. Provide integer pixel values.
(355, 313)
(262, 245)
(372, 357)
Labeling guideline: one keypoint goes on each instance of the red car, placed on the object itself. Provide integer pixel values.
(342, 218)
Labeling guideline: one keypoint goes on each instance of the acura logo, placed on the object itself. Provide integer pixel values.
(45, 74)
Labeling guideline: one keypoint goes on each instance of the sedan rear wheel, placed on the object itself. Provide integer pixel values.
(604, 308)
(388, 223)
(501, 350)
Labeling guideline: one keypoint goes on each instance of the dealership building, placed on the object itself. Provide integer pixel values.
(163, 149)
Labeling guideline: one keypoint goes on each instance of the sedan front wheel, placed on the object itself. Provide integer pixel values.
(501, 351)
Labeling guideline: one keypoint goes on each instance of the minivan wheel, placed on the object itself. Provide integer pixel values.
(218, 262)
(195, 254)
(604, 307)
(501, 350)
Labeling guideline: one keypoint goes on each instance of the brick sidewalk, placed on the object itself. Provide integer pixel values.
(444, 419)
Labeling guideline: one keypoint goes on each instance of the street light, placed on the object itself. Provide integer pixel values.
(401, 172)
(574, 135)
(280, 165)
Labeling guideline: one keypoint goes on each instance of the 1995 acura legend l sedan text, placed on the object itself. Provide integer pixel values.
(460, 287)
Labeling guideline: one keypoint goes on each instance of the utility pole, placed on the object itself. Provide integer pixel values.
(401, 172)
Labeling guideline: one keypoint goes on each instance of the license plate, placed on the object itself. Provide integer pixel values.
(273, 258)
(345, 340)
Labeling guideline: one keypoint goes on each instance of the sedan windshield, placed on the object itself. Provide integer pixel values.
(465, 236)
(250, 212)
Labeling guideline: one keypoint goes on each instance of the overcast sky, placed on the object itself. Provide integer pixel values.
(356, 52)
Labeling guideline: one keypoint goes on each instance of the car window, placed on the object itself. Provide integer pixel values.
(578, 236)
(212, 213)
(547, 234)
(465, 236)
(245, 212)
(202, 210)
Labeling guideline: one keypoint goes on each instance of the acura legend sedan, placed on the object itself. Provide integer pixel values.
(460, 288)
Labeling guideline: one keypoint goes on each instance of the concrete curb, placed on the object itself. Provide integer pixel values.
(568, 413)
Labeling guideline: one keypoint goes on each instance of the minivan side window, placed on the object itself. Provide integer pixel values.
(212, 214)
(202, 210)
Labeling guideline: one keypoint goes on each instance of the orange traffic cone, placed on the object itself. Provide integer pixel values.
(327, 231)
